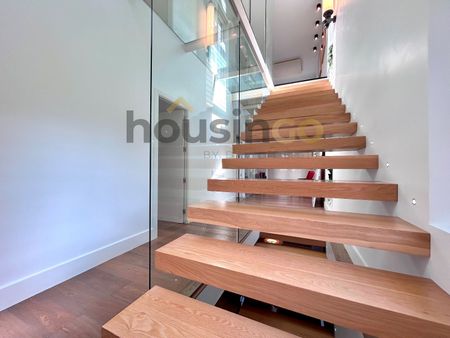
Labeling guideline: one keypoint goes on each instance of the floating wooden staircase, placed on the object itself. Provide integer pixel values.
(376, 302)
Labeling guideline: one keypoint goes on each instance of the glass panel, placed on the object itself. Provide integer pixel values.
(202, 67)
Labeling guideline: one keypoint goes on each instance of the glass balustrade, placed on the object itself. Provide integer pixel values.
(207, 84)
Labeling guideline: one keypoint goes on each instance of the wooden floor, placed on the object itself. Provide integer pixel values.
(80, 306)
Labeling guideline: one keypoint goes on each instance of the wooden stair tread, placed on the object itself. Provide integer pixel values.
(310, 145)
(300, 327)
(374, 191)
(311, 112)
(163, 313)
(295, 122)
(324, 91)
(309, 162)
(316, 103)
(376, 302)
(315, 97)
(292, 249)
(305, 87)
(378, 232)
(300, 132)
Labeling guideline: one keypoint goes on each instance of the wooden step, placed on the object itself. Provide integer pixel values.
(373, 191)
(295, 122)
(303, 100)
(378, 232)
(300, 132)
(310, 102)
(311, 112)
(310, 162)
(379, 303)
(163, 313)
(286, 321)
(292, 95)
(297, 88)
(320, 144)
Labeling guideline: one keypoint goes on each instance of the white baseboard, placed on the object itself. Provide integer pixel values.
(24, 288)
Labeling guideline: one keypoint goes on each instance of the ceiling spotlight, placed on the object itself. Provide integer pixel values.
(323, 35)
(315, 49)
(316, 37)
(319, 7)
(321, 47)
(317, 23)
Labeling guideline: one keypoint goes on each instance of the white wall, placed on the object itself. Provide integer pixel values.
(381, 72)
(73, 193)
(439, 103)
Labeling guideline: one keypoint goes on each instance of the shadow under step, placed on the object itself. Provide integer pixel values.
(377, 232)
(375, 302)
(163, 313)
(310, 162)
(307, 145)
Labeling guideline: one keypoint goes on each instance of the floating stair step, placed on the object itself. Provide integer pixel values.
(288, 96)
(311, 112)
(293, 249)
(379, 303)
(163, 313)
(378, 232)
(306, 87)
(311, 102)
(328, 95)
(295, 122)
(287, 321)
(300, 132)
(373, 191)
(321, 144)
(325, 162)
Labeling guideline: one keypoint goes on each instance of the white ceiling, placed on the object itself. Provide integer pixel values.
(293, 30)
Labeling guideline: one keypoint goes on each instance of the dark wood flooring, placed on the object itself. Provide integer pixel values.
(80, 306)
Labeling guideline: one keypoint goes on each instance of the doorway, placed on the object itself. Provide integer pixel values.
(172, 163)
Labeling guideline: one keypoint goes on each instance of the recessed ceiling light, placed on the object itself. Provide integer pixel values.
(316, 37)
(317, 23)
(315, 49)
(319, 7)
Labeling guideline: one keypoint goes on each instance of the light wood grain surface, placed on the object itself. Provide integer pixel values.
(300, 132)
(376, 302)
(319, 144)
(165, 314)
(309, 162)
(373, 231)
